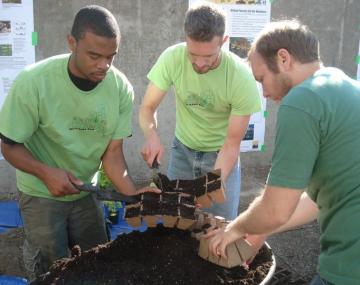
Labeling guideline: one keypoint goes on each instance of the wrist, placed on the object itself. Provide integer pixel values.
(41, 171)
(234, 229)
(150, 133)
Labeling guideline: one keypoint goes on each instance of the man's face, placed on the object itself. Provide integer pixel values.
(204, 56)
(92, 56)
(275, 85)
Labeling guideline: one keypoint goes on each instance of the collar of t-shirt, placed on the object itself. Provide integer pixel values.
(81, 83)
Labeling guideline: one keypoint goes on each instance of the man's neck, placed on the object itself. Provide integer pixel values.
(304, 71)
(82, 83)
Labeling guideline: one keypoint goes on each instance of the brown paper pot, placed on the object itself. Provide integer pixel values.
(134, 222)
(151, 221)
(169, 221)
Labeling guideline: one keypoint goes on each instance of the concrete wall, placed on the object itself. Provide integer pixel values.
(149, 26)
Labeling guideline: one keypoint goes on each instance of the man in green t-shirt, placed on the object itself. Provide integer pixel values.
(62, 118)
(315, 166)
(215, 96)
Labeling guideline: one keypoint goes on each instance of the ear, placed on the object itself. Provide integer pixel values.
(71, 42)
(284, 59)
(225, 39)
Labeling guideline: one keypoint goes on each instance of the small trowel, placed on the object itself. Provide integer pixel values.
(154, 174)
(107, 194)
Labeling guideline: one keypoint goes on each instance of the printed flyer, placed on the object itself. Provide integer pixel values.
(358, 63)
(16, 35)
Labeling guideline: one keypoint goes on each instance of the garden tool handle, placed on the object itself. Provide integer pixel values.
(155, 164)
(108, 194)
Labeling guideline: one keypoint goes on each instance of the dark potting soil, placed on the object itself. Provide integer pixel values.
(156, 256)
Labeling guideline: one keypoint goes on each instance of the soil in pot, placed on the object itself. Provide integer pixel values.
(157, 256)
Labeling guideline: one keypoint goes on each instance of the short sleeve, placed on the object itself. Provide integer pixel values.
(19, 116)
(296, 148)
(124, 128)
(245, 97)
(160, 73)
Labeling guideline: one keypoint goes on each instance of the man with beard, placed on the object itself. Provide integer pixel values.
(215, 96)
(71, 113)
(315, 170)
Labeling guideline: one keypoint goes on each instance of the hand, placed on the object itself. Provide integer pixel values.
(256, 242)
(152, 149)
(221, 238)
(60, 182)
(148, 189)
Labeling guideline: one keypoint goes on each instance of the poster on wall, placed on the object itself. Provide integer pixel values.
(245, 18)
(358, 63)
(16, 41)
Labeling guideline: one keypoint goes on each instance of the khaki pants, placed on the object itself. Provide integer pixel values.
(53, 227)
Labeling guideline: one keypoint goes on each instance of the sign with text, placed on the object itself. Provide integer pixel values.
(16, 41)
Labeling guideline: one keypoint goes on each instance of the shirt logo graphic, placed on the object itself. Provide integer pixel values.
(204, 100)
(94, 122)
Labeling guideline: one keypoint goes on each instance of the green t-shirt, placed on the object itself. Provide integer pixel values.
(204, 102)
(317, 143)
(61, 125)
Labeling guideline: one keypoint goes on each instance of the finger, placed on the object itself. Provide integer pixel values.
(150, 160)
(211, 233)
(74, 180)
(218, 246)
(153, 189)
(160, 155)
(70, 189)
(213, 246)
(60, 192)
(217, 249)
(144, 149)
(55, 193)
(148, 189)
(197, 204)
(222, 249)
(145, 153)
(250, 260)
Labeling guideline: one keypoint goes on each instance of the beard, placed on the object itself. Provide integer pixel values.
(284, 84)
(206, 68)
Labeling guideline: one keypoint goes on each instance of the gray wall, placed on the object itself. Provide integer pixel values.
(149, 26)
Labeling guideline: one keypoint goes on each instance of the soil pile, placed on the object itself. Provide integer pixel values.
(157, 256)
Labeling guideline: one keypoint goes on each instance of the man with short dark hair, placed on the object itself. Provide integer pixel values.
(215, 96)
(315, 170)
(71, 113)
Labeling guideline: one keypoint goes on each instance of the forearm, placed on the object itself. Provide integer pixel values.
(147, 120)
(268, 212)
(21, 158)
(305, 212)
(116, 170)
(230, 150)
(226, 160)
(256, 220)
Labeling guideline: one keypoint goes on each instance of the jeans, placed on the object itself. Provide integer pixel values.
(53, 227)
(188, 164)
(319, 281)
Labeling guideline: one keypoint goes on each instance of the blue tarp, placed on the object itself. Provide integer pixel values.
(122, 227)
(9, 216)
(12, 280)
